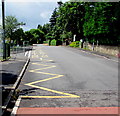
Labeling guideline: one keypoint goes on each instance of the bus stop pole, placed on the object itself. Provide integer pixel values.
(3, 26)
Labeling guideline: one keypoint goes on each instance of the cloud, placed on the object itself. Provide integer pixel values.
(31, 12)
(26, 28)
(45, 14)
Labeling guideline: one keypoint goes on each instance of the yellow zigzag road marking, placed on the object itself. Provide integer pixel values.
(68, 95)
(46, 60)
(54, 91)
(42, 68)
(47, 97)
(44, 80)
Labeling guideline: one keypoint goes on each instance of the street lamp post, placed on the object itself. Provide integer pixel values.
(3, 27)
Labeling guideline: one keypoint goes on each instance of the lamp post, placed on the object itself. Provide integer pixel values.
(3, 27)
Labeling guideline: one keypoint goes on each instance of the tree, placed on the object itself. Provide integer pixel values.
(46, 28)
(70, 18)
(99, 21)
(18, 36)
(37, 36)
(40, 27)
(91, 21)
(115, 21)
(11, 24)
(53, 18)
(28, 37)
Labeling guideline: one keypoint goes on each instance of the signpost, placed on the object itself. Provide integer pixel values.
(1, 43)
(74, 38)
(3, 33)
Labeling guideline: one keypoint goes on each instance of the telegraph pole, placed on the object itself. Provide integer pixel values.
(3, 27)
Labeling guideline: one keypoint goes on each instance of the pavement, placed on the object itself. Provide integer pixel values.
(10, 71)
(100, 54)
(12, 68)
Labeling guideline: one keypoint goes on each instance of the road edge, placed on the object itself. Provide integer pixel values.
(13, 113)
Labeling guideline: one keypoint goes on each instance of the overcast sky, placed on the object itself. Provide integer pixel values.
(31, 12)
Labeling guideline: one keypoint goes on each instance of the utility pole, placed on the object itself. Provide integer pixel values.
(3, 27)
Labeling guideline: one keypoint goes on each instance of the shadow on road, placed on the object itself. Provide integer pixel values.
(8, 78)
(27, 91)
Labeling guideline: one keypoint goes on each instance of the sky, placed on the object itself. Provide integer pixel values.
(31, 12)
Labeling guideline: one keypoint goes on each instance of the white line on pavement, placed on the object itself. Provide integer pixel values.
(16, 107)
(26, 53)
(29, 54)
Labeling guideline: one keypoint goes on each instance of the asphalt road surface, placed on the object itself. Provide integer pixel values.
(60, 76)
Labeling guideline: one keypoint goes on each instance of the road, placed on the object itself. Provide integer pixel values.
(60, 76)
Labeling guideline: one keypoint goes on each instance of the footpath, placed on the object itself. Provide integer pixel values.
(10, 74)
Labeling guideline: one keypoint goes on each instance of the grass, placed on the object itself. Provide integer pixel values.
(1, 59)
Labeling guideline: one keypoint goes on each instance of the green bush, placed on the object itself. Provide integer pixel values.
(77, 44)
(53, 42)
(74, 44)
(49, 41)
(45, 42)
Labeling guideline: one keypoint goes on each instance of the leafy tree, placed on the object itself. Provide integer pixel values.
(28, 37)
(98, 22)
(11, 24)
(37, 36)
(46, 28)
(40, 27)
(53, 25)
(18, 36)
(70, 18)
(53, 18)
(114, 25)
(94, 21)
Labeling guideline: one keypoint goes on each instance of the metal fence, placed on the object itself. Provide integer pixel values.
(12, 51)
(7, 50)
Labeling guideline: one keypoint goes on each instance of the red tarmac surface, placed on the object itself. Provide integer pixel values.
(69, 111)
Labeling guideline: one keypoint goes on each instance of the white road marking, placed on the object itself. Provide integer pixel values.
(26, 53)
(29, 54)
(17, 104)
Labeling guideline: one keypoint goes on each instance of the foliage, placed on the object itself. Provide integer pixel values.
(53, 42)
(96, 21)
(71, 18)
(18, 36)
(36, 36)
(46, 28)
(45, 42)
(66, 35)
(49, 36)
(11, 24)
(99, 21)
(75, 44)
(28, 37)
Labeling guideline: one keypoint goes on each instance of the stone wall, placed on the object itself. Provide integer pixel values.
(111, 50)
